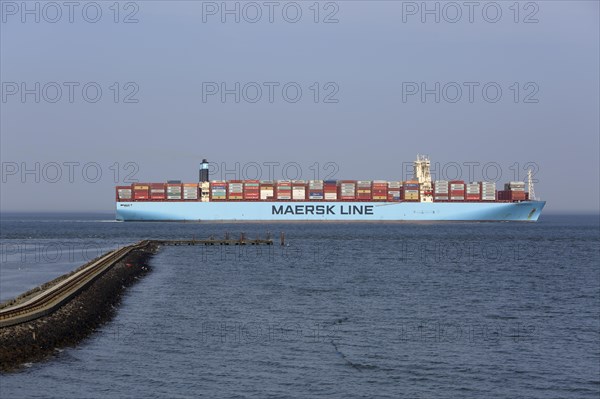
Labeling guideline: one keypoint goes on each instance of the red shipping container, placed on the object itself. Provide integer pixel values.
(140, 194)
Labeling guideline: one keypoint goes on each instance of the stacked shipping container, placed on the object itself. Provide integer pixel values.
(488, 191)
(235, 190)
(267, 190)
(363, 190)
(410, 191)
(473, 191)
(190, 191)
(440, 190)
(284, 190)
(457, 190)
(315, 190)
(318, 190)
(252, 190)
(393, 193)
(380, 190)
(218, 190)
(298, 190)
(141, 191)
(330, 190)
(124, 193)
(173, 191)
(347, 190)
(157, 191)
(513, 191)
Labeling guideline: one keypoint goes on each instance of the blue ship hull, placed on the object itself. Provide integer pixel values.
(528, 211)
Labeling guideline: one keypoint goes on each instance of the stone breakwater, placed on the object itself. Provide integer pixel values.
(75, 320)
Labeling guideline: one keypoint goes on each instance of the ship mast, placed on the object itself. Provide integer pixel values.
(422, 173)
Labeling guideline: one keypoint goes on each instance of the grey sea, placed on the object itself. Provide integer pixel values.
(398, 310)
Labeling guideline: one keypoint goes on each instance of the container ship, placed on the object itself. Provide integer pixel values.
(419, 199)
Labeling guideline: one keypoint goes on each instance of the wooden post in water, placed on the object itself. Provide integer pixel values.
(282, 238)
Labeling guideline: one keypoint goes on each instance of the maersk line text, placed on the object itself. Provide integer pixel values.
(322, 210)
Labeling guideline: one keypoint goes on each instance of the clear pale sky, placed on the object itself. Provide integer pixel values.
(371, 61)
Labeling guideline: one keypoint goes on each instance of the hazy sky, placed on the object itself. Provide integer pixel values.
(490, 87)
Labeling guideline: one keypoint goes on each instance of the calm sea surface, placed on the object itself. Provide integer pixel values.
(446, 310)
